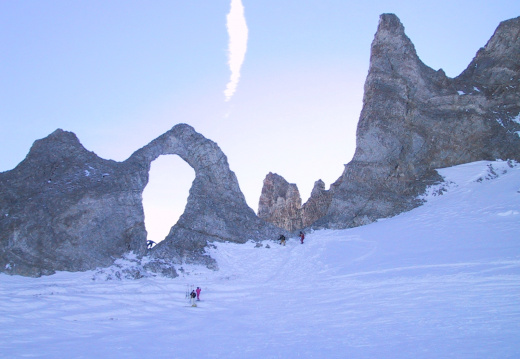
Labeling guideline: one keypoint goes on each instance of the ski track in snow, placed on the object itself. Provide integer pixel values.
(441, 281)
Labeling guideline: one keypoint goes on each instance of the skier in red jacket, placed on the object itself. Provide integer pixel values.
(198, 293)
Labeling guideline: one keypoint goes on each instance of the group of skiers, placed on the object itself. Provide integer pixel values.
(150, 244)
(282, 238)
(195, 294)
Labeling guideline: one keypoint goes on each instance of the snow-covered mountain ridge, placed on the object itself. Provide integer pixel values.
(440, 281)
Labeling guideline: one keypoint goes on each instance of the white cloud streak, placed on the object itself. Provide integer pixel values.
(238, 32)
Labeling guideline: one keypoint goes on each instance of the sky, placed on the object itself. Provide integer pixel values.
(277, 84)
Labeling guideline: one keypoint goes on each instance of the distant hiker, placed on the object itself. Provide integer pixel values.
(150, 244)
(198, 293)
(282, 240)
(193, 296)
(302, 236)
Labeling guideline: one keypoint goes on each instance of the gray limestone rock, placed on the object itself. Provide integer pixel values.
(415, 119)
(216, 208)
(317, 205)
(64, 208)
(280, 203)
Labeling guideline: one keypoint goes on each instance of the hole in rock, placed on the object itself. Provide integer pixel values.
(166, 194)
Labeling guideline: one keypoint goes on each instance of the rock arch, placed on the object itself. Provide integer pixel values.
(65, 208)
(216, 208)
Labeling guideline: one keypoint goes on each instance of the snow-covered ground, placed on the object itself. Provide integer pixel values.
(441, 281)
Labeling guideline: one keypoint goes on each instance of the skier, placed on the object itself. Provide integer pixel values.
(282, 240)
(302, 236)
(193, 296)
(150, 244)
(198, 293)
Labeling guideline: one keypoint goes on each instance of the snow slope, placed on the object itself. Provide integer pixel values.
(441, 281)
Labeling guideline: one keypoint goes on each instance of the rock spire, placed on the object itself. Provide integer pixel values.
(415, 119)
(280, 203)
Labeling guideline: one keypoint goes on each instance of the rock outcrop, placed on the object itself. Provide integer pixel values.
(65, 209)
(317, 205)
(280, 203)
(415, 119)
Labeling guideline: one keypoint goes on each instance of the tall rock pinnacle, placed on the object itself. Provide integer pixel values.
(415, 119)
(280, 203)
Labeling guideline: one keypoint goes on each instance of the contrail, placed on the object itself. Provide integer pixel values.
(237, 30)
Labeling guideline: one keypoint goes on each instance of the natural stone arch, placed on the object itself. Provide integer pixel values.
(65, 208)
(216, 208)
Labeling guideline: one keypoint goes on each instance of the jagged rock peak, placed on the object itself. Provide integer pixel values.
(319, 186)
(506, 39)
(280, 203)
(497, 62)
(59, 133)
(390, 23)
(391, 38)
(415, 119)
(317, 205)
(62, 142)
(393, 54)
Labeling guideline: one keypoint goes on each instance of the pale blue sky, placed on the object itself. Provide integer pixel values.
(120, 73)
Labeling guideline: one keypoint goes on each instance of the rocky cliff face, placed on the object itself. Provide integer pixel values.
(280, 203)
(317, 205)
(64, 208)
(415, 119)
